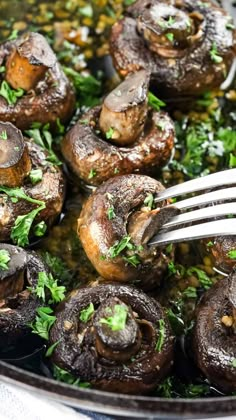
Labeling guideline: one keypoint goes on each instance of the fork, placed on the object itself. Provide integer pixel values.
(172, 232)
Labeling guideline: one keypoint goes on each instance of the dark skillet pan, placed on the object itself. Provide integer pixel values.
(113, 403)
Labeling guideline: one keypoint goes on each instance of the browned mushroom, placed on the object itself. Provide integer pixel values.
(187, 46)
(17, 304)
(214, 334)
(115, 225)
(115, 337)
(126, 120)
(15, 163)
(32, 66)
(223, 250)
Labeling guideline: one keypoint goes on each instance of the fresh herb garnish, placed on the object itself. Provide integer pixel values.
(215, 55)
(11, 95)
(190, 292)
(64, 376)
(92, 174)
(117, 321)
(51, 349)
(154, 102)
(40, 228)
(13, 35)
(57, 267)
(111, 213)
(149, 201)
(230, 26)
(120, 246)
(42, 137)
(4, 259)
(87, 87)
(3, 135)
(47, 282)
(110, 133)
(43, 322)
(203, 278)
(36, 175)
(132, 260)
(170, 36)
(86, 313)
(233, 363)
(232, 254)
(161, 336)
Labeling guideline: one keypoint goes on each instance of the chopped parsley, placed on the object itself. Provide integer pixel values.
(36, 175)
(232, 254)
(132, 260)
(43, 322)
(47, 282)
(215, 55)
(42, 137)
(117, 321)
(161, 336)
(11, 95)
(92, 174)
(40, 228)
(86, 314)
(88, 88)
(190, 292)
(66, 377)
(3, 135)
(149, 201)
(203, 278)
(111, 213)
(120, 246)
(4, 259)
(170, 36)
(154, 102)
(110, 133)
(233, 363)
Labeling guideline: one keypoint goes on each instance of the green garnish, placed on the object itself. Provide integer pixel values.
(3, 135)
(2, 69)
(47, 282)
(86, 11)
(215, 55)
(154, 102)
(20, 230)
(87, 88)
(43, 322)
(232, 254)
(64, 376)
(233, 363)
(190, 292)
(133, 260)
(117, 321)
(110, 133)
(149, 201)
(51, 349)
(203, 278)
(40, 228)
(120, 246)
(230, 26)
(92, 173)
(87, 313)
(116, 171)
(42, 137)
(4, 259)
(170, 36)
(13, 35)
(111, 213)
(210, 244)
(161, 336)
(10, 94)
(36, 175)
(57, 267)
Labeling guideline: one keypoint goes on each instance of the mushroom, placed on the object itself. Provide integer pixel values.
(120, 137)
(187, 46)
(15, 162)
(17, 157)
(115, 226)
(17, 304)
(113, 336)
(223, 251)
(47, 94)
(214, 334)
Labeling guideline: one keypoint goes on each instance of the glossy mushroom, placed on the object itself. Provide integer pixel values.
(18, 156)
(17, 304)
(47, 94)
(122, 136)
(115, 226)
(223, 251)
(124, 345)
(214, 334)
(187, 46)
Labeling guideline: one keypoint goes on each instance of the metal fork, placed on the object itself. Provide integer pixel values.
(223, 227)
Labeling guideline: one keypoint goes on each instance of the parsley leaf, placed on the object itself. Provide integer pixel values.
(111, 213)
(4, 259)
(10, 94)
(117, 321)
(161, 337)
(92, 173)
(154, 102)
(43, 138)
(87, 313)
(110, 133)
(36, 175)
(3, 135)
(215, 55)
(133, 260)
(46, 281)
(43, 322)
(64, 376)
(204, 280)
(118, 247)
(87, 87)
(149, 201)
(232, 254)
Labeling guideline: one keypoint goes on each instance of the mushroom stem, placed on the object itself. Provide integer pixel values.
(124, 110)
(29, 61)
(12, 278)
(15, 163)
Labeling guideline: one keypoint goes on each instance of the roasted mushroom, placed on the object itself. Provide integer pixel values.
(17, 304)
(115, 337)
(223, 250)
(33, 87)
(214, 334)
(121, 137)
(20, 161)
(188, 46)
(115, 226)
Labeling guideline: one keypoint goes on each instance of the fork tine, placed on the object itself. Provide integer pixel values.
(223, 227)
(208, 198)
(203, 213)
(217, 179)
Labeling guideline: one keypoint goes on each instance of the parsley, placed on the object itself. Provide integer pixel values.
(215, 55)
(20, 230)
(195, 390)
(190, 292)
(110, 133)
(2, 69)
(43, 322)
(46, 281)
(87, 87)
(203, 278)
(161, 337)
(40, 228)
(43, 138)
(116, 171)
(58, 268)
(133, 260)
(149, 201)
(86, 11)
(87, 313)
(4, 259)
(210, 244)
(36, 175)
(154, 102)
(51, 349)
(64, 376)
(233, 363)
(10, 94)
(118, 247)
(170, 36)
(232, 161)
(232, 254)
(230, 26)
(129, 2)
(92, 173)
(111, 213)
(3, 135)
(166, 24)
(117, 321)
(13, 35)
(165, 389)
